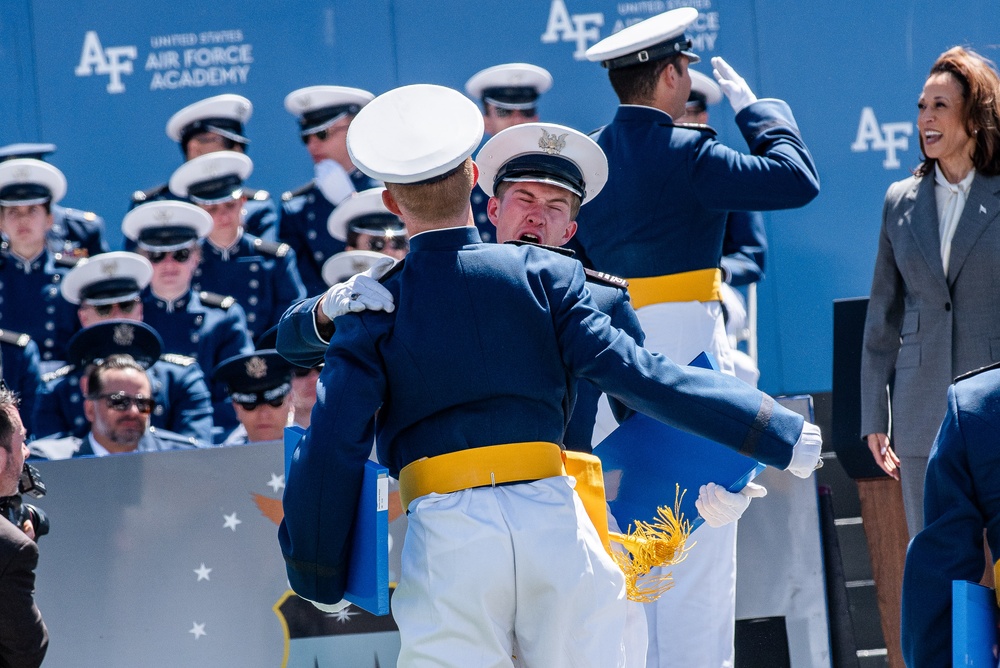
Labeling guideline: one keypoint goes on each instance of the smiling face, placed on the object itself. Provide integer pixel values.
(941, 120)
(537, 212)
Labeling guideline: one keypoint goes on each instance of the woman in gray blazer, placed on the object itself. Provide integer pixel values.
(934, 311)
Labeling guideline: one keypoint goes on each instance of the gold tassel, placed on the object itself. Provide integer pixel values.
(662, 542)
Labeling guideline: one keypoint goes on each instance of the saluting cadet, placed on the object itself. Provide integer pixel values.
(119, 399)
(448, 378)
(961, 503)
(216, 124)
(509, 94)
(204, 325)
(260, 274)
(106, 288)
(324, 114)
(660, 224)
(363, 223)
(30, 274)
(74, 233)
(259, 384)
(19, 369)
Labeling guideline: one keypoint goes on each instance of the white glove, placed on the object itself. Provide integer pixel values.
(720, 507)
(733, 85)
(331, 608)
(805, 453)
(360, 292)
(333, 181)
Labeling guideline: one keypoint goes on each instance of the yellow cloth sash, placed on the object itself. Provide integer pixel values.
(701, 285)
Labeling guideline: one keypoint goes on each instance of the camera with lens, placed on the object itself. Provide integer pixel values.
(17, 511)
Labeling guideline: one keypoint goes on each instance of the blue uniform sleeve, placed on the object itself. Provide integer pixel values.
(47, 416)
(703, 402)
(950, 546)
(190, 404)
(744, 248)
(324, 478)
(779, 173)
(298, 340)
(262, 219)
(288, 287)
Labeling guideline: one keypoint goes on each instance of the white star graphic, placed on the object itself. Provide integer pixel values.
(231, 522)
(343, 616)
(277, 482)
(198, 630)
(203, 573)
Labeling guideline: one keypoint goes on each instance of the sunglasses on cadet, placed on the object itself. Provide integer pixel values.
(181, 255)
(124, 307)
(322, 135)
(378, 244)
(119, 401)
(504, 113)
(252, 406)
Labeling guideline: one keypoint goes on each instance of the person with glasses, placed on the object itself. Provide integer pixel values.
(30, 273)
(118, 404)
(363, 223)
(324, 113)
(108, 288)
(261, 275)
(216, 124)
(259, 384)
(509, 94)
(204, 325)
(74, 232)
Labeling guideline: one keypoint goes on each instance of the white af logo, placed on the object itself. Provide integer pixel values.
(113, 61)
(886, 137)
(566, 27)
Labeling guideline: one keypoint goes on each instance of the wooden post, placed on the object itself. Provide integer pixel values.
(885, 530)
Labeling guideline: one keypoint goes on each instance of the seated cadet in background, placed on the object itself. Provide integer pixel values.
(118, 402)
(258, 384)
(961, 502)
(324, 114)
(363, 223)
(74, 233)
(509, 94)
(29, 272)
(260, 275)
(448, 373)
(19, 369)
(216, 124)
(107, 287)
(744, 245)
(203, 325)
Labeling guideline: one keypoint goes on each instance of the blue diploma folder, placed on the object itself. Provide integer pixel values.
(649, 459)
(973, 624)
(368, 571)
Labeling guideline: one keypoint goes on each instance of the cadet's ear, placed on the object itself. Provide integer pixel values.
(390, 203)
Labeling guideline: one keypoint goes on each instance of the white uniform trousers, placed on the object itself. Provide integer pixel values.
(692, 624)
(491, 571)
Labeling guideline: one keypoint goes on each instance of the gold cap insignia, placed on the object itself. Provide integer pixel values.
(123, 335)
(256, 367)
(552, 144)
(109, 268)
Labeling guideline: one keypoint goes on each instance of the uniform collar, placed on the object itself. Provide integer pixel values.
(449, 237)
(640, 112)
(231, 249)
(36, 264)
(170, 306)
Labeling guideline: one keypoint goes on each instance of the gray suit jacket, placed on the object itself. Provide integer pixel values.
(924, 328)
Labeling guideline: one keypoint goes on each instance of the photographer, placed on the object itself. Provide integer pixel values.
(23, 636)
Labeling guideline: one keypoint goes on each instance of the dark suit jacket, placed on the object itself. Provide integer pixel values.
(23, 636)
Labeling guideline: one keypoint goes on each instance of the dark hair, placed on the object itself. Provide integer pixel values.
(977, 77)
(636, 84)
(7, 398)
(95, 372)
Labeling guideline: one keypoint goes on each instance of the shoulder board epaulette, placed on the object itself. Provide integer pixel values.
(179, 360)
(301, 190)
(698, 127)
(19, 339)
(272, 248)
(396, 268)
(66, 260)
(976, 372)
(256, 194)
(58, 373)
(149, 193)
(216, 300)
(555, 249)
(606, 279)
(88, 216)
(594, 134)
